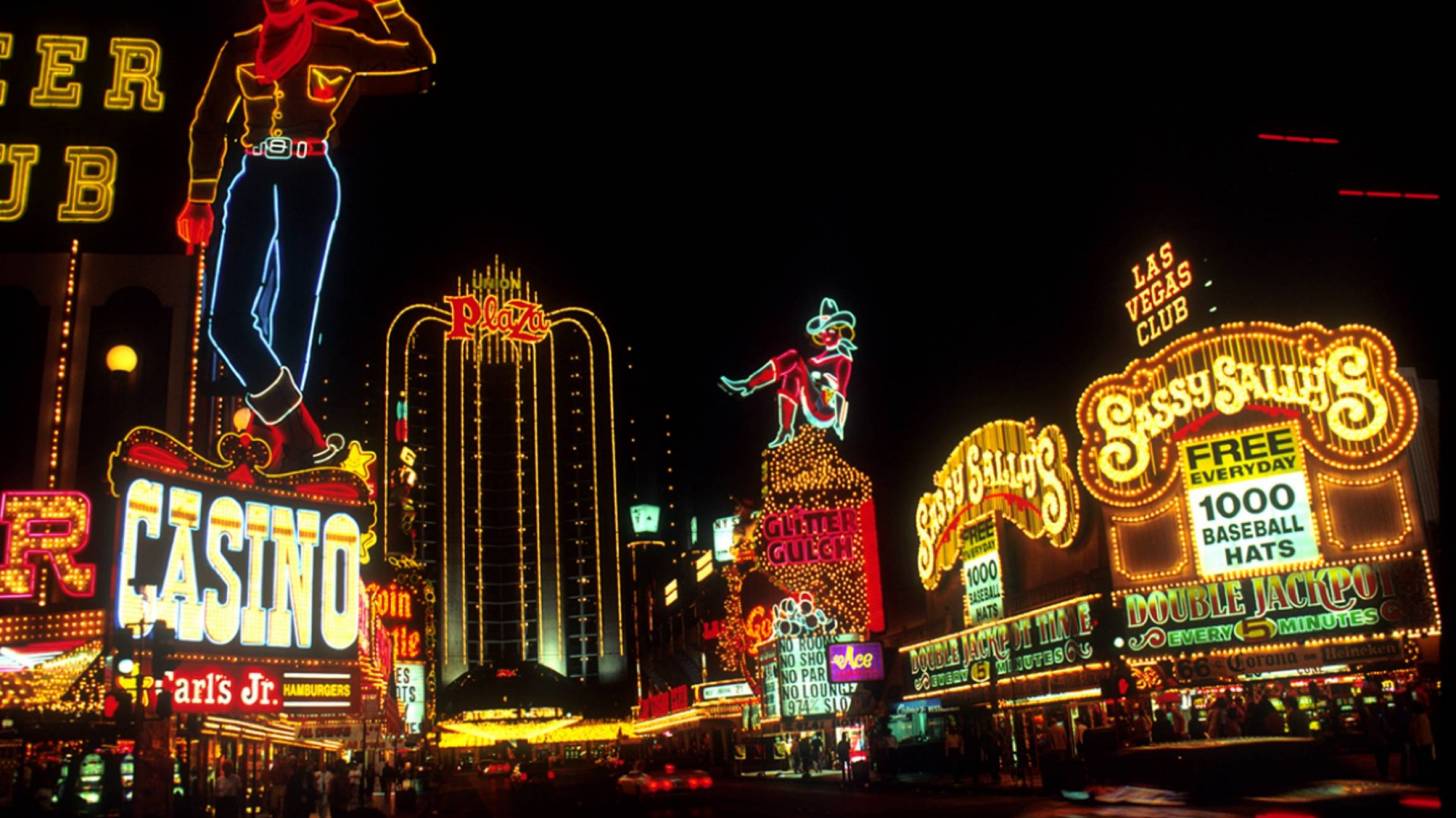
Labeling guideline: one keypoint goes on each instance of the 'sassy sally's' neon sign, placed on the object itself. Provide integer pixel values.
(239, 574)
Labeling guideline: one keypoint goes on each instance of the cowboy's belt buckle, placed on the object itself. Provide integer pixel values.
(278, 147)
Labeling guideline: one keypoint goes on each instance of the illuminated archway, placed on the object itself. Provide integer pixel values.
(501, 458)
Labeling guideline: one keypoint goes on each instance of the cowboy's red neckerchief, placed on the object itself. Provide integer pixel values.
(287, 35)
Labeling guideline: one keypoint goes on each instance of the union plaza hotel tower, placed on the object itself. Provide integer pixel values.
(501, 461)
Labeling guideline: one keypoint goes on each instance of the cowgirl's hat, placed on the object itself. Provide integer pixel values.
(830, 317)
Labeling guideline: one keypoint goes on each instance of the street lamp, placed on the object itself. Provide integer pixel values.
(121, 358)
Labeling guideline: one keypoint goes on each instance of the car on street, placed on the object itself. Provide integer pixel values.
(495, 767)
(533, 779)
(663, 780)
(1234, 777)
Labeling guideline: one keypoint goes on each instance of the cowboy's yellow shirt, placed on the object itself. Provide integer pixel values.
(304, 102)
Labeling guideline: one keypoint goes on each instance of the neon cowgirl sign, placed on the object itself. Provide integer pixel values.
(292, 77)
(817, 386)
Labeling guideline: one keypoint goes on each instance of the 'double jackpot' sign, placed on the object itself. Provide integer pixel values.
(238, 563)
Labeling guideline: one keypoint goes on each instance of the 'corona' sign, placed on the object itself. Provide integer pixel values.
(238, 562)
(1007, 467)
(1341, 386)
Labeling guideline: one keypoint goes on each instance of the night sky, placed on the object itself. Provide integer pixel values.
(978, 214)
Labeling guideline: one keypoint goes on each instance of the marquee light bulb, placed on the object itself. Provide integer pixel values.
(121, 358)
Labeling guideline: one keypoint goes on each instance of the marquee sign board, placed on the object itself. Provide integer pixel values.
(1249, 500)
(1057, 637)
(1341, 387)
(239, 563)
(851, 662)
(1360, 598)
(1008, 467)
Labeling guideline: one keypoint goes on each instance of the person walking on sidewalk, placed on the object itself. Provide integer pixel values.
(229, 792)
(817, 747)
(1423, 743)
(842, 752)
(955, 752)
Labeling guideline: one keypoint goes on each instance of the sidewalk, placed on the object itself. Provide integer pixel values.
(914, 782)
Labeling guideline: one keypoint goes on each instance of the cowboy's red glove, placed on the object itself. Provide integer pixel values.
(194, 224)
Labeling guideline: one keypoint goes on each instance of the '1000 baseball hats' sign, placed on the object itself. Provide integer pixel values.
(1249, 500)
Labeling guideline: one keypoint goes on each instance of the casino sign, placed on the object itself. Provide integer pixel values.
(244, 566)
(1258, 494)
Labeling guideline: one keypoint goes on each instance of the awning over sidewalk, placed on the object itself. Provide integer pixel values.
(560, 730)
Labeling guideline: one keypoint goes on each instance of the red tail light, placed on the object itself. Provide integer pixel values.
(524, 776)
(550, 775)
(669, 769)
(1421, 802)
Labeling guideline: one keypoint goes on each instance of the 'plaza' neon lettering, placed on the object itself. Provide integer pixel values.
(313, 564)
(515, 320)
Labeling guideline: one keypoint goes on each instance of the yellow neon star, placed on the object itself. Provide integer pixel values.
(357, 461)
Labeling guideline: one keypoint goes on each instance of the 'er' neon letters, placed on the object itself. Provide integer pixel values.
(54, 525)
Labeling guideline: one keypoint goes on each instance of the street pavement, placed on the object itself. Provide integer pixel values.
(755, 798)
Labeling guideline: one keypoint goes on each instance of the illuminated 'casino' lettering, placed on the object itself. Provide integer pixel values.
(251, 574)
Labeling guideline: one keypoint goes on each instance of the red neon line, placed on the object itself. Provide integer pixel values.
(1426, 196)
(1352, 193)
(1317, 140)
(1382, 194)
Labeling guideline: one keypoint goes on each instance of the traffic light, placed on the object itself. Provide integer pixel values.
(125, 658)
(118, 707)
(1120, 682)
(162, 646)
(162, 664)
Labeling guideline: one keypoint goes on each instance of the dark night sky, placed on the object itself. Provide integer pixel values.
(977, 213)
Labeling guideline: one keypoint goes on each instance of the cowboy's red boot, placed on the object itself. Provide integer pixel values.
(304, 446)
